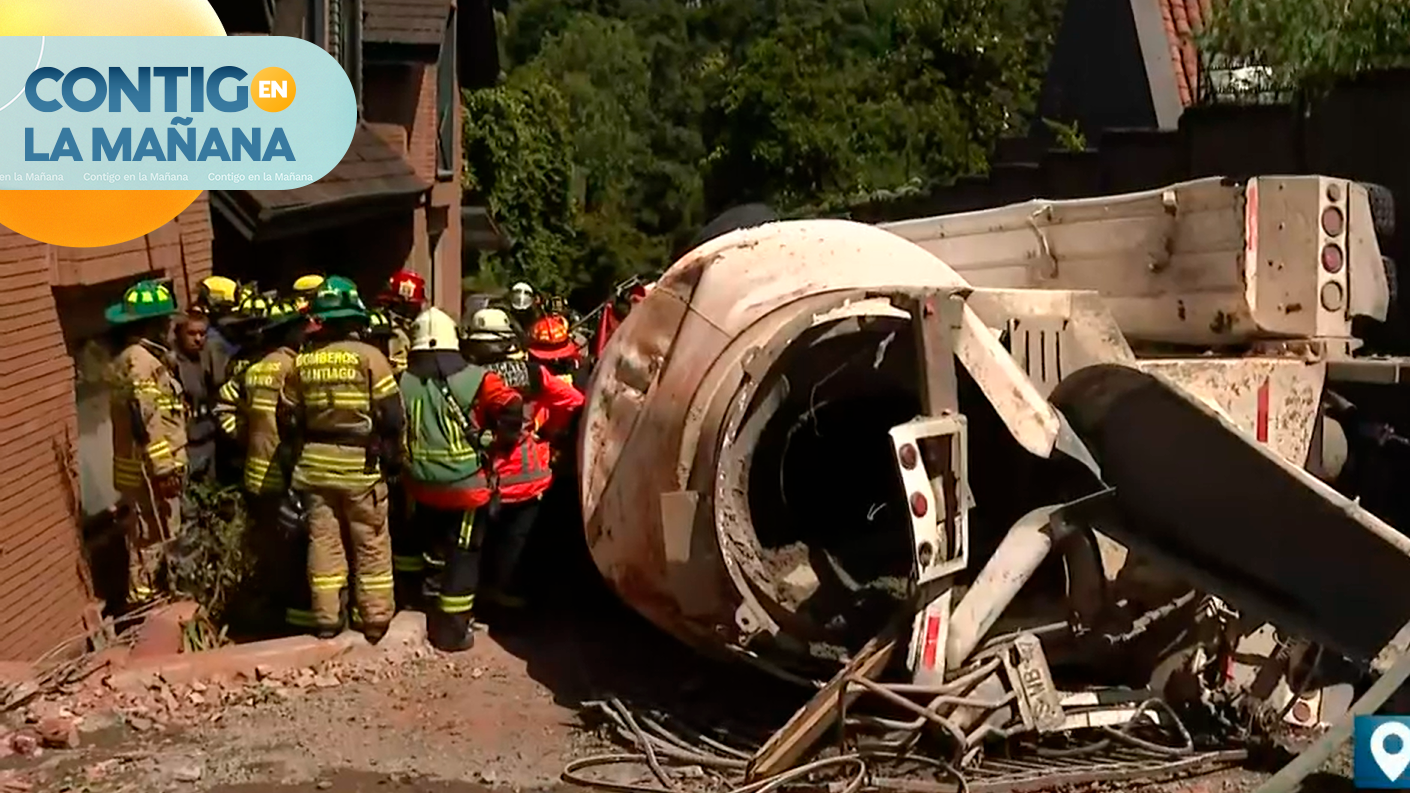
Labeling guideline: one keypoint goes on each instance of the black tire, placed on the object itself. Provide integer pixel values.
(1382, 209)
(732, 219)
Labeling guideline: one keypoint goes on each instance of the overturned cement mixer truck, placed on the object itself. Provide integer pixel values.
(1065, 441)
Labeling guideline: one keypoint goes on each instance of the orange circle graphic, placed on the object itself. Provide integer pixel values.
(272, 90)
(91, 218)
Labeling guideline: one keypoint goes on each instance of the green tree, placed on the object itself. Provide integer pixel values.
(603, 72)
(519, 161)
(845, 99)
(673, 111)
(1309, 43)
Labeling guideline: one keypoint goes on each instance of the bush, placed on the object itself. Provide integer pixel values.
(212, 561)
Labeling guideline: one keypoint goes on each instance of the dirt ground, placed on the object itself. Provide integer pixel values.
(502, 717)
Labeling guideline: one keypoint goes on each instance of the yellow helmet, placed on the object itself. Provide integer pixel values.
(282, 312)
(246, 291)
(378, 322)
(253, 306)
(217, 290)
(308, 283)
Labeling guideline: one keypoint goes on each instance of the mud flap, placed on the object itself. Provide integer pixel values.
(1236, 519)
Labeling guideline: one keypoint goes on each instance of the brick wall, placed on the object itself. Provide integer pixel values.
(44, 579)
(401, 105)
(43, 584)
(421, 146)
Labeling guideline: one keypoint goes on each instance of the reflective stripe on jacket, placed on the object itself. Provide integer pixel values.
(148, 412)
(442, 440)
(527, 472)
(262, 383)
(335, 389)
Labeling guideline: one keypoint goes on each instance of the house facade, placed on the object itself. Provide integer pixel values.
(55, 433)
(394, 200)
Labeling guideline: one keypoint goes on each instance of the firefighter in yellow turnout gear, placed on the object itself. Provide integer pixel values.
(149, 432)
(341, 407)
(269, 462)
(230, 403)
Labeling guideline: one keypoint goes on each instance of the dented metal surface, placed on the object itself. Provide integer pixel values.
(685, 389)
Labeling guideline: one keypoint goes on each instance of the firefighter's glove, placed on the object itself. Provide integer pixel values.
(508, 426)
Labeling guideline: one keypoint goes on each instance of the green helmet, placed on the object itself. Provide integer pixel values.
(337, 298)
(149, 299)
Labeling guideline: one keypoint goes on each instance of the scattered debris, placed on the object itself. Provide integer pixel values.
(59, 732)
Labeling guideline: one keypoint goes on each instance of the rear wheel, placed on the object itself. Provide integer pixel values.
(1382, 209)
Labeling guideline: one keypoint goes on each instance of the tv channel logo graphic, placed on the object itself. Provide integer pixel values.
(1382, 751)
(172, 112)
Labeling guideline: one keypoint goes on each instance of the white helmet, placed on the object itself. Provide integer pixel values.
(433, 329)
(521, 296)
(490, 324)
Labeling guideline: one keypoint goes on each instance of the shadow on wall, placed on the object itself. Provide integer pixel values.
(367, 251)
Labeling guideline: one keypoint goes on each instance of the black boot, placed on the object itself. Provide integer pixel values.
(374, 633)
(327, 631)
(449, 633)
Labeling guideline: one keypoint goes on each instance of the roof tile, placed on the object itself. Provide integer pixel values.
(1183, 20)
(366, 169)
(421, 22)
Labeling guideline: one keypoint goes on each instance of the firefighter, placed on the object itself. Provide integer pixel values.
(268, 462)
(404, 299)
(551, 344)
(243, 326)
(216, 299)
(525, 473)
(379, 334)
(149, 432)
(523, 305)
(449, 403)
(305, 286)
(342, 408)
(407, 558)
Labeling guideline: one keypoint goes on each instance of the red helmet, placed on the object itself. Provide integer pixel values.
(549, 338)
(405, 287)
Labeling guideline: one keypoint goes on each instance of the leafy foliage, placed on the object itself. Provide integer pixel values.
(1309, 43)
(672, 112)
(212, 562)
(518, 161)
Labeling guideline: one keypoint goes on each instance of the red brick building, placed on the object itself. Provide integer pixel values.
(394, 200)
(55, 435)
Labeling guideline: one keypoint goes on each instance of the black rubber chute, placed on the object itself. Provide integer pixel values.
(1233, 517)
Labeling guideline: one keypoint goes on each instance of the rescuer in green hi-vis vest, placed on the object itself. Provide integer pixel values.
(459, 416)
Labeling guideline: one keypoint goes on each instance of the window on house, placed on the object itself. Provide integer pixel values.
(447, 104)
